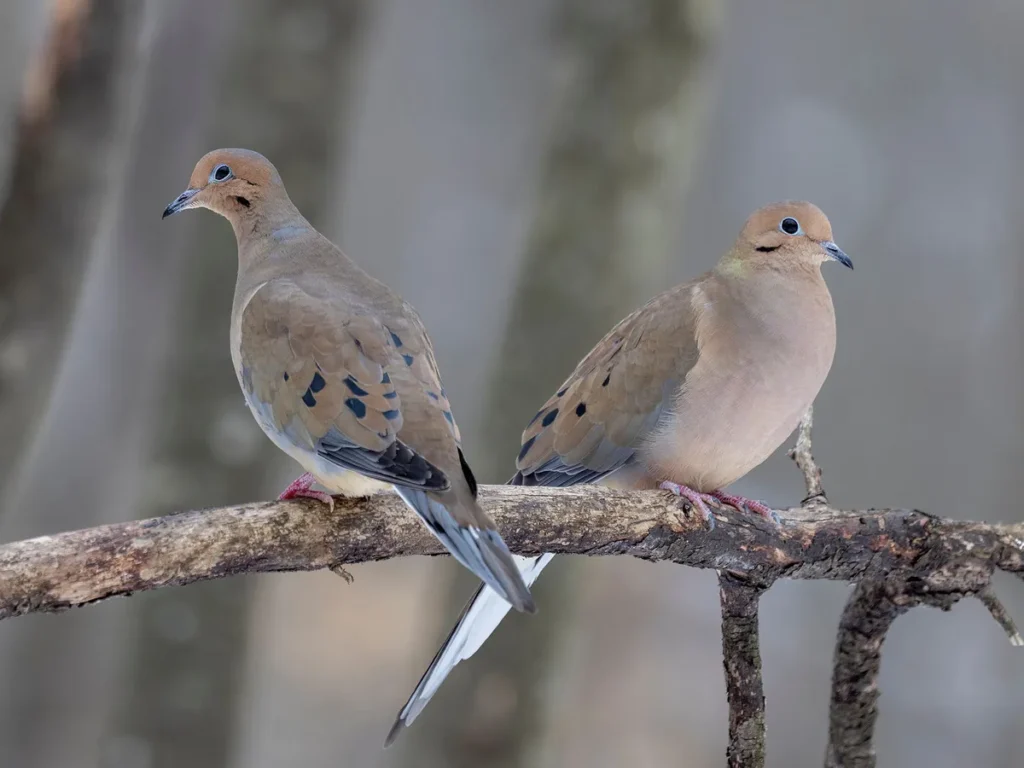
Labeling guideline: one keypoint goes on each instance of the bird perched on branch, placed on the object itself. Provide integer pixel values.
(339, 371)
(688, 394)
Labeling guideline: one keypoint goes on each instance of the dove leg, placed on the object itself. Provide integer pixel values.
(744, 504)
(696, 498)
(302, 488)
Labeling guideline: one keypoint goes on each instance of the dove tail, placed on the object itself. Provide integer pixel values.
(478, 548)
(479, 619)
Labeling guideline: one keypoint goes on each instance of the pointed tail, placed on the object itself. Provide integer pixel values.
(479, 619)
(479, 548)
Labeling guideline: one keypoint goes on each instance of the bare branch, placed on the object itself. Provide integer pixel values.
(872, 608)
(858, 658)
(742, 659)
(900, 558)
(804, 458)
(1000, 614)
(53, 573)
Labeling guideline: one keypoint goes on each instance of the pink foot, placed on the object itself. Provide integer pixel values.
(698, 500)
(302, 488)
(744, 504)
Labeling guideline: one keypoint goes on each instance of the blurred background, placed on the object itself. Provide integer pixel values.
(525, 174)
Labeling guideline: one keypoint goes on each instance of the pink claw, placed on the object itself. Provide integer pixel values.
(302, 488)
(696, 498)
(744, 504)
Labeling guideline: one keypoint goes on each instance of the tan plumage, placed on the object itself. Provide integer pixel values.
(694, 389)
(339, 371)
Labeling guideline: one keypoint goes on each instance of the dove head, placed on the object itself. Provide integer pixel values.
(785, 236)
(235, 183)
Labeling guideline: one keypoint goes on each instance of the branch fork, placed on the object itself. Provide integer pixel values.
(898, 558)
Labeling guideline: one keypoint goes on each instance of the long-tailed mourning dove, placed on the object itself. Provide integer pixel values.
(338, 369)
(688, 393)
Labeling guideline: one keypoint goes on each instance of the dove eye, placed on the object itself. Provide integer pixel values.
(220, 173)
(790, 226)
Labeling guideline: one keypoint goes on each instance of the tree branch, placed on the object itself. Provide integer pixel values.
(899, 558)
(988, 598)
(742, 657)
(52, 573)
(858, 658)
(871, 610)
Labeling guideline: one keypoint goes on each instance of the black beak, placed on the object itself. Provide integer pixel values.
(836, 253)
(180, 202)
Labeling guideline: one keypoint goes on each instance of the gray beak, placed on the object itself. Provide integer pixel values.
(180, 202)
(834, 252)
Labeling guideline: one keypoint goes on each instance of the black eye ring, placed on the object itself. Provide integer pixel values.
(790, 226)
(220, 173)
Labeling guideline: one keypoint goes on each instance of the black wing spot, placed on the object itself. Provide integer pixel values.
(561, 392)
(526, 448)
(468, 473)
(358, 407)
(390, 395)
(408, 359)
(352, 384)
(286, 375)
(391, 415)
(536, 416)
(433, 395)
(308, 399)
(606, 379)
(552, 415)
(395, 338)
(317, 383)
(448, 416)
(581, 409)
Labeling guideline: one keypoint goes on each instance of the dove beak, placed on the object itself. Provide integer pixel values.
(181, 202)
(835, 253)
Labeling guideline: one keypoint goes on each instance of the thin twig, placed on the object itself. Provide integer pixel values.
(1000, 614)
(802, 454)
(742, 659)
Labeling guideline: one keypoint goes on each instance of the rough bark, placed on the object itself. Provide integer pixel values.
(942, 557)
(742, 657)
(900, 558)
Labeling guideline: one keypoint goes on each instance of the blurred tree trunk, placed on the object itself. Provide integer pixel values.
(611, 192)
(84, 462)
(24, 27)
(281, 97)
(71, 126)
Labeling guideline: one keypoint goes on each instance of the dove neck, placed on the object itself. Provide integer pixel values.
(273, 218)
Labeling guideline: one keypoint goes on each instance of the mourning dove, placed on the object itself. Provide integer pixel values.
(688, 393)
(339, 371)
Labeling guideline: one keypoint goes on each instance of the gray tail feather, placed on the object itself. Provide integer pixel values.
(479, 619)
(481, 550)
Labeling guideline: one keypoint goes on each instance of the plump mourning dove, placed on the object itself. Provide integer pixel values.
(688, 393)
(338, 369)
